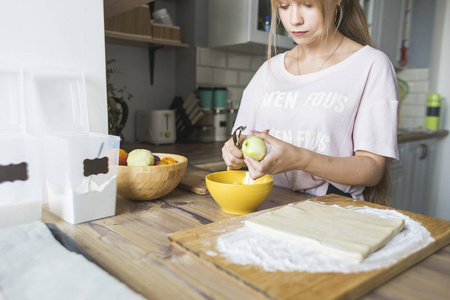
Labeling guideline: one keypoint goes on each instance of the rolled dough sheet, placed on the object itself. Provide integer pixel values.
(332, 230)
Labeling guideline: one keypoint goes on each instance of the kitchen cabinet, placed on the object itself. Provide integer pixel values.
(412, 175)
(237, 25)
(398, 179)
(386, 23)
(403, 29)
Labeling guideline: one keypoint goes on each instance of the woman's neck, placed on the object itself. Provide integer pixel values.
(319, 49)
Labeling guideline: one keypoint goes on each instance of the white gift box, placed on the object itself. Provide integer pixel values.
(20, 156)
(80, 167)
(81, 175)
(20, 180)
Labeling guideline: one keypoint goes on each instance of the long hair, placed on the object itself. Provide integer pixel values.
(351, 21)
(381, 192)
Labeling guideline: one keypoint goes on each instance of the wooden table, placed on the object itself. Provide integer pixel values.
(133, 247)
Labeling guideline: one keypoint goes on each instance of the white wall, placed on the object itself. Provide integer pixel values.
(440, 82)
(59, 34)
(133, 62)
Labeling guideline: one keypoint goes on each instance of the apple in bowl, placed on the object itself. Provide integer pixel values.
(150, 182)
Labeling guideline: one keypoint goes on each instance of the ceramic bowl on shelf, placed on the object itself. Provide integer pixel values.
(151, 182)
(235, 191)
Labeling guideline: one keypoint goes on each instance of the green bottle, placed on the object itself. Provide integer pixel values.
(433, 112)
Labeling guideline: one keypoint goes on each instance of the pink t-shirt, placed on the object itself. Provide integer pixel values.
(350, 106)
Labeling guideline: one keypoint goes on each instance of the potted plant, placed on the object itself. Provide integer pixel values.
(117, 107)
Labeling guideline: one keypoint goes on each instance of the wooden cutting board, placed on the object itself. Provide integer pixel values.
(294, 285)
(195, 182)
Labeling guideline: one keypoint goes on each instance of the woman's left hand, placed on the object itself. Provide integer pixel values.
(282, 157)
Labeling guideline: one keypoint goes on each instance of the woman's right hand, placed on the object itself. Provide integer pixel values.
(232, 156)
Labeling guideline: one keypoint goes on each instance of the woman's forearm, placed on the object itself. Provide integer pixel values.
(364, 168)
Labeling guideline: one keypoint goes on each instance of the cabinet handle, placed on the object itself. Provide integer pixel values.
(423, 151)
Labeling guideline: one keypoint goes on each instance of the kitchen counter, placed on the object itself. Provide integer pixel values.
(133, 247)
(209, 155)
(405, 135)
(196, 153)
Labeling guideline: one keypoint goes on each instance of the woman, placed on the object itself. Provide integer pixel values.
(328, 108)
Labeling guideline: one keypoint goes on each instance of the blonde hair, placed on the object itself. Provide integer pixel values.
(350, 21)
(381, 192)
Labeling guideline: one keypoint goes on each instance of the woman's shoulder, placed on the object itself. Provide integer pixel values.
(375, 55)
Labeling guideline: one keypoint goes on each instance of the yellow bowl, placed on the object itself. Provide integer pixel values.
(151, 182)
(235, 191)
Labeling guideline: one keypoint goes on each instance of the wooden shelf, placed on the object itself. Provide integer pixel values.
(128, 22)
(153, 44)
(115, 7)
(134, 28)
(140, 40)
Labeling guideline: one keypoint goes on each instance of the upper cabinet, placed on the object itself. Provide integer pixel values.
(386, 26)
(239, 25)
(403, 29)
(400, 28)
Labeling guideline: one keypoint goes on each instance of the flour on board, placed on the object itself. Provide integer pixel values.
(245, 246)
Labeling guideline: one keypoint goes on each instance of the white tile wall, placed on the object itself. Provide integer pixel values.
(225, 68)
(211, 57)
(257, 61)
(235, 70)
(239, 61)
(205, 75)
(413, 109)
(225, 77)
(244, 77)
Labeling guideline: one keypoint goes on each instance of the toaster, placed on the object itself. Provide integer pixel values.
(155, 126)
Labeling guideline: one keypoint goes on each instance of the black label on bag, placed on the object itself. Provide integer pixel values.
(14, 172)
(95, 166)
(433, 111)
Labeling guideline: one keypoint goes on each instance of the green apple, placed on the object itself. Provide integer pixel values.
(255, 147)
(140, 158)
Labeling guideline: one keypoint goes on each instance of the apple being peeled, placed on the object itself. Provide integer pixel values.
(255, 147)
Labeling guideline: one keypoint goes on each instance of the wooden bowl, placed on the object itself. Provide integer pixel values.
(152, 182)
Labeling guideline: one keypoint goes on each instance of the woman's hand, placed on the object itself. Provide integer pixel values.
(232, 156)
(282, 157)
(363, 168)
